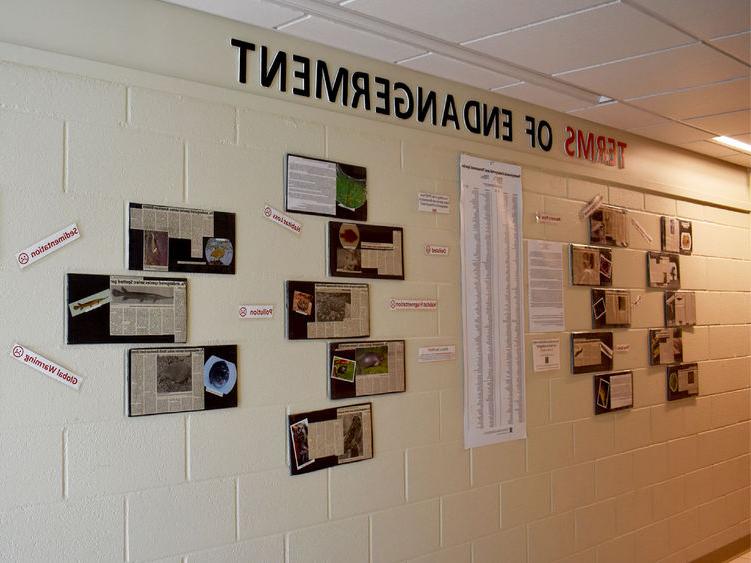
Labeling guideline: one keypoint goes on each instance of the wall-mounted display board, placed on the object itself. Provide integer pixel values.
(677, 235)
(591, 352)
(609, 225)
(611, 308)
(682, 381)
(329, 437)
(103, 309)
(327, 310)
(591, 265)
(177, 239)
(613, 391)
(680, 308)
(165, 380)
(357, 369)
(325, 187)
(492, 306)
(665, 346)
(366, 251)
(663, 270)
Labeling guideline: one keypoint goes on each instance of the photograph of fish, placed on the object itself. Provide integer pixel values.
(180, 239)
(377, 368)
(102, 309)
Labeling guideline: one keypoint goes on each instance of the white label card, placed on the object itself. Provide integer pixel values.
(435, 250)
(433, 203)
(622, 348)
(47, 245)
(591, 207)
(546, 354)
(436, 353)
(276, 216)
(256, 312)
(413, 304)
(45, 366)
(547, 219)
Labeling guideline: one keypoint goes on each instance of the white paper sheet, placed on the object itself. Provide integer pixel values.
(545, 294)
(493, 314)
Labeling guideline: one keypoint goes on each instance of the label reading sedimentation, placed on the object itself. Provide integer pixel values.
(413, 304)
(47, 245)
(433, 203)
(45, 366)
(256, 311)
(436, 353)
(276, 216)
(435, 250)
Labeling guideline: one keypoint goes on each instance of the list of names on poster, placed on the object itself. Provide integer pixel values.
(492, 302)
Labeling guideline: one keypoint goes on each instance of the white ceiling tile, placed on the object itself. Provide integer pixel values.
(720, 97)
(458, 71)
(619, 116)
(671, 132)
(705, 18)
(256, 12)
(353, 40)
(459, 21)
(682, 67)
(742, 159)
(544, 97)
(597, 36)
(737, 45)
(709, 148)
(733, 123)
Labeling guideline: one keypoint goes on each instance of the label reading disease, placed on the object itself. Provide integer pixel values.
(433, 203)
(45, 366)
(256, 311)
(47, 246)
(276, 216)
(435, 250)
(413, 304)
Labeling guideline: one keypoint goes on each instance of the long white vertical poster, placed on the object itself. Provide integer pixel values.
(493, 312)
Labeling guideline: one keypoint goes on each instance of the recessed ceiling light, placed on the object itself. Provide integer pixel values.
(733, 143)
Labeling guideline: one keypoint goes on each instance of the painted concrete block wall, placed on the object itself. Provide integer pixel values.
(82, 482)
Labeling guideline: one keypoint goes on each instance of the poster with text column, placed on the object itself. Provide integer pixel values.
(493, 314)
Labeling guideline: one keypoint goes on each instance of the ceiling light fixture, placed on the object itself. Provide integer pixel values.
(733, 143)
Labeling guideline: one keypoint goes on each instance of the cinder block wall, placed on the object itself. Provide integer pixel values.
(82, 482)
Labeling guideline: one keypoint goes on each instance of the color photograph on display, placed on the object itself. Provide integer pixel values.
(611, 308)
(682, 381)
(591, 352)
(178, 239)
(102, 309)
(324, 187)
(329, 437)
(591, 265)
(327, 310)
(169, 380)
(358, 369)
(676, 235)
(366, 251)
(613, 391)
(609, 225)
(663, 270)
(665, 346)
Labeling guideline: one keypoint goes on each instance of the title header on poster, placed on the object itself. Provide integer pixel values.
(312, 78)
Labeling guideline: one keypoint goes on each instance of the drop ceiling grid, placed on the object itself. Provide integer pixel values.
(673, 67)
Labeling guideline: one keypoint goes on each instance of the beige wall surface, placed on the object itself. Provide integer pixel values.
(82, 135)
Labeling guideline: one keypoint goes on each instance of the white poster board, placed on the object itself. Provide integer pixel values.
(493, 311)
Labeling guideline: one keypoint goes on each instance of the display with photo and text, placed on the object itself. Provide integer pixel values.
(168, 380)
(324, 187)
(611, 308)
(102, 309)
(366, 251)
(329, 437)
(663, 270)
(665, 346)
(613, 391)
(680, 308)
(591, 352)
(358, 369)
(178, 239)
(327, 310)
(677, 235)
(591, 265)
(609, 225)
(682, 381)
